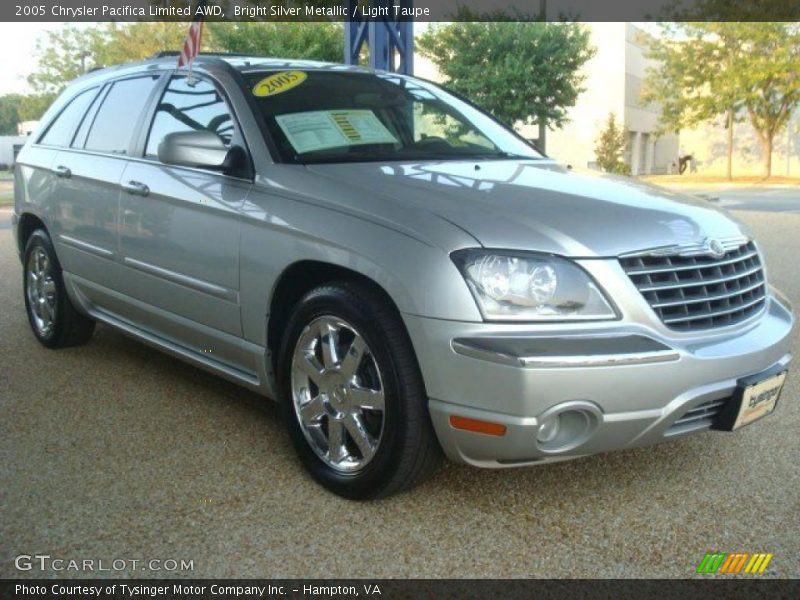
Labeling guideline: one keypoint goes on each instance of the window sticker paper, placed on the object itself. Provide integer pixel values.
(323, 129)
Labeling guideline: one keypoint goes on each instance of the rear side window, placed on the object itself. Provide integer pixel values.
(63, 127)
(199, 107)
(116, 119)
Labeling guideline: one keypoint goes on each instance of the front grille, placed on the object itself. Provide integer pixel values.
(699, 417)
(691, 292)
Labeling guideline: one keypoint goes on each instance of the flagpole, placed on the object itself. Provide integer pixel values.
(189, 79)
(191, 47)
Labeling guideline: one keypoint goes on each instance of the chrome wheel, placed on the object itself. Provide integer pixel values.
(338, 394)
(41, 291)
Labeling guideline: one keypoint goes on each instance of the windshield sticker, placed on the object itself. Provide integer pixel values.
(323, 129)
(278, 83)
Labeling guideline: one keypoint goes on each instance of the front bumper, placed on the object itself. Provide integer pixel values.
(636, 380)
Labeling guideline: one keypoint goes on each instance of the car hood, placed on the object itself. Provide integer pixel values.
(535, 205)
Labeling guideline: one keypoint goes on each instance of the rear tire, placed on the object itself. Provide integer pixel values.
(352, 394)
(55, 322)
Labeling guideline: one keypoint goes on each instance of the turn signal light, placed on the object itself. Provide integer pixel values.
(477, 426)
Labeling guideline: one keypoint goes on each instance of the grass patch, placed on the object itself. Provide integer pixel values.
(6, 175)
(6, 198)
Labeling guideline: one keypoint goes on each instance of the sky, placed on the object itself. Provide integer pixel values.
(17, 47)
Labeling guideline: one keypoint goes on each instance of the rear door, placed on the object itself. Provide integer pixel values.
(89, 174)
(36, 174)
(179, 229)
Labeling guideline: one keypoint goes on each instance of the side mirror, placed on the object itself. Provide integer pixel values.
(203, 149)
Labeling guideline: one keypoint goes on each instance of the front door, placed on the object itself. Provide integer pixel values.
(179, 232)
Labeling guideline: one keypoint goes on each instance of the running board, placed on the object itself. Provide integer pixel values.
(206, 363)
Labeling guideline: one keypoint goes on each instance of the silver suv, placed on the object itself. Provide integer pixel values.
(402, 272)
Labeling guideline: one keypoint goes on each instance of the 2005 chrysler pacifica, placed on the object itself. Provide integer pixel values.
(406, 274)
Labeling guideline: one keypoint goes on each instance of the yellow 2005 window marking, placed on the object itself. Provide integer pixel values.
(278, 83)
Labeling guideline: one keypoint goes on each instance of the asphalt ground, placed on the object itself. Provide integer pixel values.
(757, 198)
(114, 451)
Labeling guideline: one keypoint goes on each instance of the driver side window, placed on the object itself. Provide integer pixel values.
(198, 107)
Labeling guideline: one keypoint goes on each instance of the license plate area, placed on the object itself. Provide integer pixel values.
(755, 397)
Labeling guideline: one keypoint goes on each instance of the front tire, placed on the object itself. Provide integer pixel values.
(353, 397)
(55, 322)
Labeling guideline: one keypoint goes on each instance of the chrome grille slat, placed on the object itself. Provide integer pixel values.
(719, 313)
(698, 282)
(702, 415)
(669, 269)
(692, 418)
(690, 291)
(692, 300)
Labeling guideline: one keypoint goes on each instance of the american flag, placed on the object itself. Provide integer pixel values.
(192, 44)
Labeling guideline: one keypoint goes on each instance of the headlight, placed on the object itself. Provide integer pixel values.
(512, 286)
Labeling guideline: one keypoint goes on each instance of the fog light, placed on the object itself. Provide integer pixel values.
(548, 430)
(566, 426)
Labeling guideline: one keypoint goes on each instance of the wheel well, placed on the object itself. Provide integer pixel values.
(28, 223)
(294, 283)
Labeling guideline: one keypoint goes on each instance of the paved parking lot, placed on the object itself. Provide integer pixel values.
(113, 451)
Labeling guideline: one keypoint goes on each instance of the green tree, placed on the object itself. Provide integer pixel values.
(610, 147)
(62, 55)
(693, 79)
(67, 53)
(118, 43)
(312, 41)
(15, 108)
(33, 106)
(521, 72)
(769, 77)
(9, 113)
(733, 70)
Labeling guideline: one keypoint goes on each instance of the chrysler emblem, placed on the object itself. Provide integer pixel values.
(714, 248)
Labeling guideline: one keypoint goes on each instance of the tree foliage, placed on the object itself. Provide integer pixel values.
(610, 147)
(9, 113)
(15, 108)
(707, 69)
(313, 41)
(67, 53)
(521, 72)
(62, 55)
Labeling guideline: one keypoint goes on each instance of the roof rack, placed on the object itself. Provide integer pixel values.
(167, 53)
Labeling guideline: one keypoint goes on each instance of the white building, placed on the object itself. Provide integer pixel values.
(27, 127)
(9, 145)
(613, 84)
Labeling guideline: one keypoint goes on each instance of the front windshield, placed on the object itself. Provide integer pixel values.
(320, 116)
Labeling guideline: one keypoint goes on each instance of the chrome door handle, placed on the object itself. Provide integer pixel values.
(136, 188)
(63, 172)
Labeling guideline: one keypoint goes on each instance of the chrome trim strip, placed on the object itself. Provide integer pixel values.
(690, 248)
(566, 361)
(248, 379)
(185, 280)
(85, 246)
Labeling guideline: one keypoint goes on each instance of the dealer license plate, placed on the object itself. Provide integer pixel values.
(758, 399)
